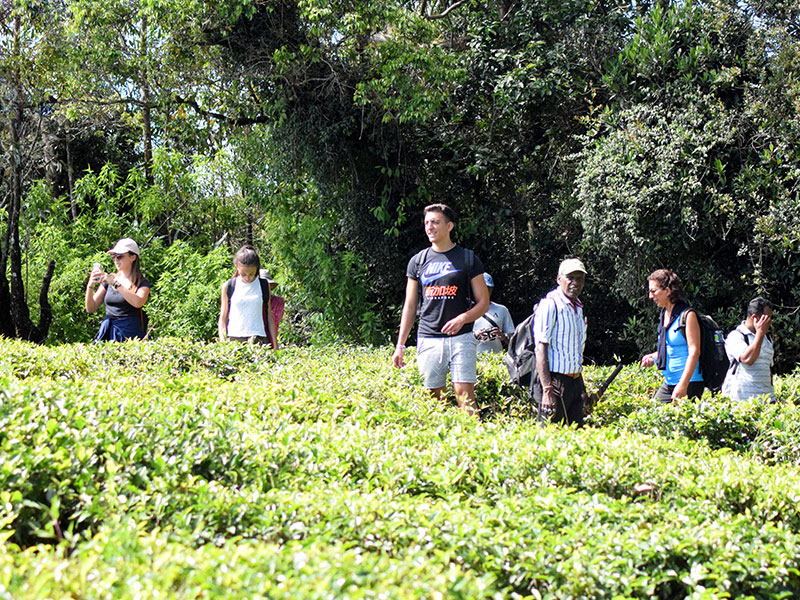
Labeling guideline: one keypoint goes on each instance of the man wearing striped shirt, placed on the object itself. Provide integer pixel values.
(559, 329)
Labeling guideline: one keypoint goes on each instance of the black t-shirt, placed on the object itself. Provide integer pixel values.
(445, 282)
(116, 305)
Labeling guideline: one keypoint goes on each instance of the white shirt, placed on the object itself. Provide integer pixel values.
(245, 313)
(559, 323)
(748, 381)
(500, 315)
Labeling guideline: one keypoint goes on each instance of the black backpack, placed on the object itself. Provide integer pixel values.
(714, 361)
(520, 358)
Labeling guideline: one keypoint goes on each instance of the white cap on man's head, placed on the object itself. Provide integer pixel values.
(570, 266)
(125, 245)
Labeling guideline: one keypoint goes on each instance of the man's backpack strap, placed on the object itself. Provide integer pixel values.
(491, 321)
(423, 257)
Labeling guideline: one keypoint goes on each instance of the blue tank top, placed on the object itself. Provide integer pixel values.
(677, 354)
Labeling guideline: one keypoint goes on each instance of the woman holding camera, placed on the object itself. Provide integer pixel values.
(678, 353)
(124, 293)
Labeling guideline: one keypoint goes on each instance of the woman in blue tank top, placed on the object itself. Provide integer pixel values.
(678, 353)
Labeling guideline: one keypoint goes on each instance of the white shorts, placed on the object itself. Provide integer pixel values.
(436, 354)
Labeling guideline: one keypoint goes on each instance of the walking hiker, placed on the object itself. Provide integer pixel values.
(559, 329)
(493, 328)
(450, 279)
(678, 352)
(244, 313)
(124, 293)
(749, 348)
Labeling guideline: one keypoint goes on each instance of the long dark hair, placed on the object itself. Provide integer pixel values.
(136, 272)
(667, 279)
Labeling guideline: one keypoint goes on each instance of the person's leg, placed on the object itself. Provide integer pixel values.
(432, 364)
(437, 393)
(463, 370)
(568, 395)
(664, 393)
(557, 394)
(695, 390)
(573, 400)
(465, 396)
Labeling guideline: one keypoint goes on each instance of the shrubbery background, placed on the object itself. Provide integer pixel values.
(636, 136)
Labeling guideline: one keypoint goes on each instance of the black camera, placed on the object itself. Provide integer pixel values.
(485, 335)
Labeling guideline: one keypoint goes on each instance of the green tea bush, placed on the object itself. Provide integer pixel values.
(193, 470)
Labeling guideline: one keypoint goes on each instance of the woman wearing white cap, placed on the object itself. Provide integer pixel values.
(124, 294)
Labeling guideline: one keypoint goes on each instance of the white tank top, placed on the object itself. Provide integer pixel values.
(245, 317)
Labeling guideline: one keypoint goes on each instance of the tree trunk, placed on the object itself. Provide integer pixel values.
(147, 131)
(73, 207)
(19, 313)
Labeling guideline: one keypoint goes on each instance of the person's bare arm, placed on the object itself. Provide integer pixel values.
(693, 341)
(222, 323)
(407, 318)
(543, 369)
(753, 351)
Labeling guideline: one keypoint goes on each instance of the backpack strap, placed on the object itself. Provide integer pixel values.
(682, 320)
(421, 261)
(469, 256)
(491, 321)
(229, 287)
(418, 274)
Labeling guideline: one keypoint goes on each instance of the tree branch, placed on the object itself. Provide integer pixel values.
(446, 11)
(238, 121)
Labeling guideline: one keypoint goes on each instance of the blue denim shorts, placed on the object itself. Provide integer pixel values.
(436, 354)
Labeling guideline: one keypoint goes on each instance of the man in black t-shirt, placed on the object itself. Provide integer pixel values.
(454, 294)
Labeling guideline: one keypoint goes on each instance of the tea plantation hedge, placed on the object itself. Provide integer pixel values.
(187, 470)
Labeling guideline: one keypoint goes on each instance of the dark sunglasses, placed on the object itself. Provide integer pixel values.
(116, 256)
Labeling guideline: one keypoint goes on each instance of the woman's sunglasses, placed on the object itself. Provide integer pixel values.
(116, 256)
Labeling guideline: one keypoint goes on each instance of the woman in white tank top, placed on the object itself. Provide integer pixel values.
(247, 316)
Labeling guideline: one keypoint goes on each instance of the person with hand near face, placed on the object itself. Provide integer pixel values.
(245, 313)
(124, 293)
(678, 350)
(749, 348)
(559, 330)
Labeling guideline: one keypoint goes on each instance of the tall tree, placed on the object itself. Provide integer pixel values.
(23, 50)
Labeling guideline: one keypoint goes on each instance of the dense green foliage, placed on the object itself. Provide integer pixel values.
(190, 470)
(636, 135)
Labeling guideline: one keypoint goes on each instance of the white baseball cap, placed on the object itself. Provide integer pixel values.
(570, 266)
(125, 245)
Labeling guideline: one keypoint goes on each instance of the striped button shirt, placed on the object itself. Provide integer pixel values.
(559, 323)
